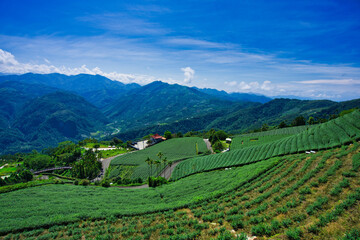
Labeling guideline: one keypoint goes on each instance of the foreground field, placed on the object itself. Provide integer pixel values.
(54, 204)
(298, 197)
(173, 150)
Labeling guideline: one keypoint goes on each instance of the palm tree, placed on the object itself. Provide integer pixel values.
(151, 164)
(160, 155)
(157, 162)
(164, 161)
(148, 161)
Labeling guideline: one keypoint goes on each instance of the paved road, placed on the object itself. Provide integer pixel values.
(208, 145)
(168, 170)
(105, 165)
(134, 187)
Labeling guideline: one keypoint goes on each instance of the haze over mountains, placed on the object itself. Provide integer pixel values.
(38, 111)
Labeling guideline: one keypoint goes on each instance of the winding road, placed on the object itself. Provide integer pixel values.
(208, 145)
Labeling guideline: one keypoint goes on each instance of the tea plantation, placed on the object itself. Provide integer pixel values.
(272, 190)
(331, 134)
(173, 150)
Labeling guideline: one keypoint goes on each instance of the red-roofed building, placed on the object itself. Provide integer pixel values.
(157, 138)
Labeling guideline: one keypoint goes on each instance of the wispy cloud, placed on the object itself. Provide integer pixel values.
(191, 42)
(331, 81)
(124, 24)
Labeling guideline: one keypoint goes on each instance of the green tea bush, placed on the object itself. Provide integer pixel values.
(294, 234)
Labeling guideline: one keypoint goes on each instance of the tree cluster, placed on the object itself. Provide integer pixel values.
(88, 166)
(19, 177)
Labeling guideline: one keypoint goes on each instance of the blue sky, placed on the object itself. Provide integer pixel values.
(302, 48)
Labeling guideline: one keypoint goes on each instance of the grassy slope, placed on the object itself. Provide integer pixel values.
(247, 141)
(46, 205)
(285, 202)
(331, 134)
(173, 149)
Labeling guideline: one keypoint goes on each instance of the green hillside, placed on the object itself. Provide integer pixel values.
(158, 103)
(331, 134)
(47, 120)
(172, 149)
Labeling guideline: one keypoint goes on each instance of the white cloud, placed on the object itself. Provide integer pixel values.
(266, 86)
(244, 86)
(9, 65)
(255, 87)
(7, 58)
(188, 74)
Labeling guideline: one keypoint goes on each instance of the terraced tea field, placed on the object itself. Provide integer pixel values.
(332, 134)
(298, 197)
(173, 150)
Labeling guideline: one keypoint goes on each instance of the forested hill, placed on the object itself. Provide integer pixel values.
(160, 103)
(48, 120)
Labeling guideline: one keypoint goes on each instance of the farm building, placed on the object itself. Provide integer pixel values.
(156, 138)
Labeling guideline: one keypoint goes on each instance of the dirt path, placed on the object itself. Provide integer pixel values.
(208, 145)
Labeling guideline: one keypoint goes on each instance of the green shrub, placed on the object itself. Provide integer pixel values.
(105, 183)
(84, 182)
(237, 224)
(356, 162)
(305, 190)
(294, 234)
(317, 205)
(286, 222)
(156, 181)
(353, 234)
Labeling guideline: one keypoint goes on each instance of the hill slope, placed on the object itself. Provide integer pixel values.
(158, 103)
(50, 119)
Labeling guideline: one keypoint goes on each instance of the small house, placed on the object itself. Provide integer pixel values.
(156, 138)
(228, 140)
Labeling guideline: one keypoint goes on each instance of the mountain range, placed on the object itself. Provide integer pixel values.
(41, 110)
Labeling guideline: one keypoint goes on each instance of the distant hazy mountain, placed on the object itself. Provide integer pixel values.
(236, 97)
(96, 89)
(159, 103)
